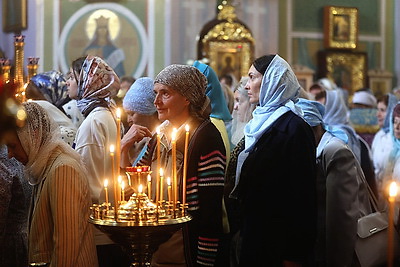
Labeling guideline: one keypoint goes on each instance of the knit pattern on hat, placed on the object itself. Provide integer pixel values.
(140, 97)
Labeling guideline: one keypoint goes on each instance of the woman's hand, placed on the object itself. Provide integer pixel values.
(135, 134)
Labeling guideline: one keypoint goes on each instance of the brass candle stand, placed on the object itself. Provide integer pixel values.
(142, 223)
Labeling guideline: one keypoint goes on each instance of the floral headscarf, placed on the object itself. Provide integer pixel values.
(53, 86)
(98, 84)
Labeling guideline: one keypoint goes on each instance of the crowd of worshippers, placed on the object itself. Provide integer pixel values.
(278, 175)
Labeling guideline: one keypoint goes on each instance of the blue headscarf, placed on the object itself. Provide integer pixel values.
(140, 97)
(395, 153)
(313, 114)
(336, 114)
(279, 92)
(392, 101)
(53, 86)
(219, 109)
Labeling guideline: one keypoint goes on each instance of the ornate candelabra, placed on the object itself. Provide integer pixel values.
(142, 223)
(18, 77)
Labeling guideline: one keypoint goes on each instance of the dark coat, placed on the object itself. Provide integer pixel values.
(277, 190)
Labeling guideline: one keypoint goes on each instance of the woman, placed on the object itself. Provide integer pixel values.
(49, 90)
(59, 233)
(15, 196)
(142, 115)
(276, 171)
(93, 84)
(242, 111)
(180, 100)
(382, 143)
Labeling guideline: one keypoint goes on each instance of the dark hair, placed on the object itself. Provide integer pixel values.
(261, 64)
(384, 99)
(77, 66)
(128, 79)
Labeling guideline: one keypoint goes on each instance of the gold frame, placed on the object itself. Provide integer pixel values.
(15, 15)
(347, 69)
(340, 27)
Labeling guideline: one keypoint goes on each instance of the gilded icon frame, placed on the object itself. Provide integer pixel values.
(340, 27)
(15, 17)
(346, 68)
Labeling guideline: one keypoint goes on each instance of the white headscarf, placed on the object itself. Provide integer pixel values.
(39, 137)
(278, 94)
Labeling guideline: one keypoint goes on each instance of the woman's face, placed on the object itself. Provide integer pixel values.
(381, 113)
(241, 106)
(72, 84)
(253, 85)
(170, 104)
(396, 127)
(15, 148)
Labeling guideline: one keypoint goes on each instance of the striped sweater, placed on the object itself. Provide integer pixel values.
(204, 192)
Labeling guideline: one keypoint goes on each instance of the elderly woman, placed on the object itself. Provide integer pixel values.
(276, 171)
(93, 84)
(59, 233)
(180, 100)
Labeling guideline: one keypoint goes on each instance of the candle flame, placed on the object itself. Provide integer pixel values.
(122, 185)
(174, 134)
(161, 172)
(169, 181)
(105, 183)
(149, 177)
(112, 148)
(158, 130)
(120, 179)
(393, 189)
(187, 127)
(140, 189)
(118, 113)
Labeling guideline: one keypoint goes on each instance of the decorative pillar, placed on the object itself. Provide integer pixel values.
(32, 67)
(19, 66)
(5, 69)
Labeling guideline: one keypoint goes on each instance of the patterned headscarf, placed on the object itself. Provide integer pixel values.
(219, 109)
(98, 84)
(53, 86)
(140, 97)
(39, 137)
(392, 101)
(189, 82)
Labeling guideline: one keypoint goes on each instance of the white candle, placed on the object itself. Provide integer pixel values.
(169, 189)
(149, 186)
(161, 184)
(392, 198)
(106, 191)
(174, 177)
(185, 158)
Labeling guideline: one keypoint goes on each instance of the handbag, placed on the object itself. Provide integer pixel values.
(372, 237)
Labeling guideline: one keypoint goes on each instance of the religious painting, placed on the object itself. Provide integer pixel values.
(230, 58)
(347, 69)
(14, 15)
(112, 33)
(340, 27)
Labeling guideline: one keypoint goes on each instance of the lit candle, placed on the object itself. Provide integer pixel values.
(161, 184)
(118, 141)
(140, 189)
(185, 156)
(169, 189)
(149, 186)
(122, 191)
(114, 176)
(106, 191)
(158, 164)
(174, 182)
(392, 198)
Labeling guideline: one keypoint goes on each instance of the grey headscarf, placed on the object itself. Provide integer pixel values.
(189, 82)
